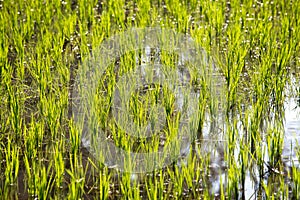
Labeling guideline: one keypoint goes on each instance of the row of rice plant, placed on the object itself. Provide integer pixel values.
(255, 50)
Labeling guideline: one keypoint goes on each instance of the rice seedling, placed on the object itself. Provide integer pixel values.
(251, 55)
(12, 167)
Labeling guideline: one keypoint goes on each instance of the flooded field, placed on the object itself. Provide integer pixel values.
(252, 187)
(160, 99)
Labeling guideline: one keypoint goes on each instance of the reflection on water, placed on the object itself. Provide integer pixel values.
(292, 132)
(214, 144)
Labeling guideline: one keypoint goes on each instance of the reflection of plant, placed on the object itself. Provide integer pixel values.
(298, 96)
(296, 174)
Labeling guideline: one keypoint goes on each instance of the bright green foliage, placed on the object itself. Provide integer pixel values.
(256, 48)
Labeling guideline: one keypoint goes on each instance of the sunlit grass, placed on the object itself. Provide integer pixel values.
(255, 48)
